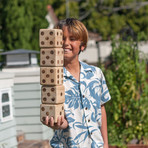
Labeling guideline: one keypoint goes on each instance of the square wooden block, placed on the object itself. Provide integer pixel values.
(51, 75)
(51, 57)
(51, 38)
(51, 111)
(53, 94)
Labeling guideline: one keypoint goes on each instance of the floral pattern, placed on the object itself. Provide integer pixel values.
(82, 107)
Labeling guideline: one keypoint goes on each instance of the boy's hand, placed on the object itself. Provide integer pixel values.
(61, 122)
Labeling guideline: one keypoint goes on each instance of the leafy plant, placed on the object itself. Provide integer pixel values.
(126, 79)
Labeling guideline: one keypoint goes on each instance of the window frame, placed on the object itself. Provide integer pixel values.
(9, 102)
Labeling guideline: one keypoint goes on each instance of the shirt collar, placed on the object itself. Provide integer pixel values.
(85, 67)
(66, 72)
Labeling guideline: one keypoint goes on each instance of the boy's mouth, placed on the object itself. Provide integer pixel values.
(67, 50)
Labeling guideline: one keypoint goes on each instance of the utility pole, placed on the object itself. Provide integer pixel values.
(67, 8)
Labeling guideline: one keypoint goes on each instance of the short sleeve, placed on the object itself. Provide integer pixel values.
(105, 95)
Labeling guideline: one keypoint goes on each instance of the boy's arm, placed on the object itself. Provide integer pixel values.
(104, 127)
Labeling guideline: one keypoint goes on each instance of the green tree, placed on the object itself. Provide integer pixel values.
(21, 20)
(60, 8)
(110, 17)
(20, 23)
(107, 17)
(16, 25)
(39, 11)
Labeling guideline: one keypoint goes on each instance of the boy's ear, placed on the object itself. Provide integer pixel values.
(82, 47)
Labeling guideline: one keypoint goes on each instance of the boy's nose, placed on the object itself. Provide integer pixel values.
(66, 42)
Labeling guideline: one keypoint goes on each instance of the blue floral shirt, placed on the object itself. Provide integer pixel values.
(82, 107)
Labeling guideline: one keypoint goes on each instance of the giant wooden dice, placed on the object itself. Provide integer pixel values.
(51, 57)
(51, 75)
(51, 111)
(51, 38)
(53, 94)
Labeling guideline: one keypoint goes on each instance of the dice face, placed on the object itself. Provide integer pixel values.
(51, 75)
(51, 111)
(51, 38)
(51, 57)
(53, 94)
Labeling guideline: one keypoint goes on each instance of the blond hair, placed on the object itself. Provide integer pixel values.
(76, 28)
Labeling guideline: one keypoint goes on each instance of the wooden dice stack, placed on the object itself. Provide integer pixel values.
(51, 73)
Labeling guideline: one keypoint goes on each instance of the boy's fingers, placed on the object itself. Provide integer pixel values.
(47, 120)
(62, 119)
(59, 121)
(51, 121)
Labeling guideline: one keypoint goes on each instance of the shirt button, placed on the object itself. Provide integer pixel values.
(83, 96)
(88, 120)
(85, 108)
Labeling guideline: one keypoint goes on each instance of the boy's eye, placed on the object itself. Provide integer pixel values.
(72, 39)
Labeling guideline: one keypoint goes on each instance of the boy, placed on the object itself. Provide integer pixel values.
(86, 92)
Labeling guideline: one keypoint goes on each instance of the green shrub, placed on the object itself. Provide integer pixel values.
(126, 79)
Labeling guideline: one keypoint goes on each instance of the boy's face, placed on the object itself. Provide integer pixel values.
(71, 45)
